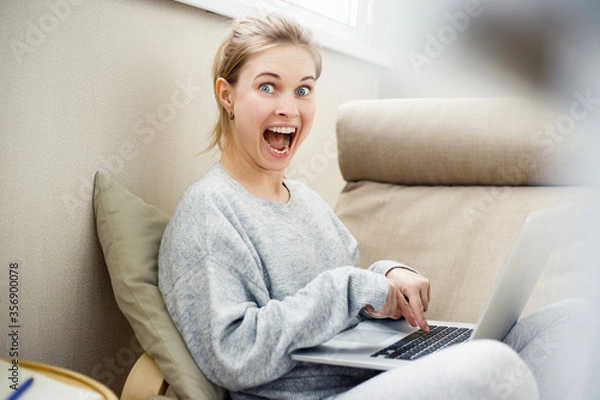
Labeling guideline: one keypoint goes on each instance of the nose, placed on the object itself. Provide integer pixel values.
(287, 107)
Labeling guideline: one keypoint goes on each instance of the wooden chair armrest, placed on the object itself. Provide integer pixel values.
(144, 380)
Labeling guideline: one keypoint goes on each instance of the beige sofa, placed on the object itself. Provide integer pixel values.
(443, 185)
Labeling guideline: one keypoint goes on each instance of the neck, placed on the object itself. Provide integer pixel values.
(264, 184)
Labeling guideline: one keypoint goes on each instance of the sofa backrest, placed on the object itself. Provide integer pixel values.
(444, 185)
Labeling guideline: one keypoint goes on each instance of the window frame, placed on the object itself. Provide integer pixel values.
(329, 33)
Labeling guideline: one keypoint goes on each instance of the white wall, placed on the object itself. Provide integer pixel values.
(120, 85)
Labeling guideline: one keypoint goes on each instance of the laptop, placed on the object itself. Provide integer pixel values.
(386, 344)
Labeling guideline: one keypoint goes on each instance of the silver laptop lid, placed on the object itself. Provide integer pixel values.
(524, 265)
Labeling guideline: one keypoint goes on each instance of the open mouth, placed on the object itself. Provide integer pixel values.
(279, 139)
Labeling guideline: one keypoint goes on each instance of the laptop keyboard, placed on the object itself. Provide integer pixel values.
(421, 343)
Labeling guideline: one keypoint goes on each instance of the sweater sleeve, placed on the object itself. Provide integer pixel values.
(382, 267)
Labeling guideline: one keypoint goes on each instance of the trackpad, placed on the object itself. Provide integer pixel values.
(364, 336)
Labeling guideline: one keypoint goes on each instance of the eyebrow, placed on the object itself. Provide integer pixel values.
(277, 76)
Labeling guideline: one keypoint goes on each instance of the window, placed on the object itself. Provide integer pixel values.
(340, 25)
(342, 11)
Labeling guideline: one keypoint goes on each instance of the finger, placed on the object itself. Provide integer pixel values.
(421, 320)
(390, 307)
(404, 307)
(418, 313)
(389, 310)
(425, 297)
(428, 293)
(397, 313)
(371, 311)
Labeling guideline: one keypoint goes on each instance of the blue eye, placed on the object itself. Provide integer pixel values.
(267, 88)
(303, 91)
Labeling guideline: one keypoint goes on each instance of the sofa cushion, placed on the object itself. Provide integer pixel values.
(459, 237)
(454, 142)
(444, 185)
(130, 232)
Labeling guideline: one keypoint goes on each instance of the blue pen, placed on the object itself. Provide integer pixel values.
(22, 388)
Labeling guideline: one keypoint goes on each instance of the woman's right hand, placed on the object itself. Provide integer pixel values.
(391, 308)
(397, 305)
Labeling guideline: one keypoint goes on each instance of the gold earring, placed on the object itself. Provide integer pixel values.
(230, 115)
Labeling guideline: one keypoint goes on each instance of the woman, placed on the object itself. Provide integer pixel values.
(254, 266)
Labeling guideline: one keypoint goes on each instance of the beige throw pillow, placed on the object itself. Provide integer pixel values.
(130, 232)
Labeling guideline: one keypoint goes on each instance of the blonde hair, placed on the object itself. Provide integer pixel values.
(247, 38)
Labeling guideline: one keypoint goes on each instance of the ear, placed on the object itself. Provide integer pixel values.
(224, 93)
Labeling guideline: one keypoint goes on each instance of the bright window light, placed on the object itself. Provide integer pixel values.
(343, 11)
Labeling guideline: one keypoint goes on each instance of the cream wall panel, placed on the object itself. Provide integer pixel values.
(120, 85)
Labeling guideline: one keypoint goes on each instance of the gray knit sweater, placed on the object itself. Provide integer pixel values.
(247, 281)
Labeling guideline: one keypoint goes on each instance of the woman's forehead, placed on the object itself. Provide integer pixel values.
(286, 61)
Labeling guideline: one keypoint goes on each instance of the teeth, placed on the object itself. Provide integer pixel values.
(282, 129)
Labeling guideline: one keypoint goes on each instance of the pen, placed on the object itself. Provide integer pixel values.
(22, 388)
